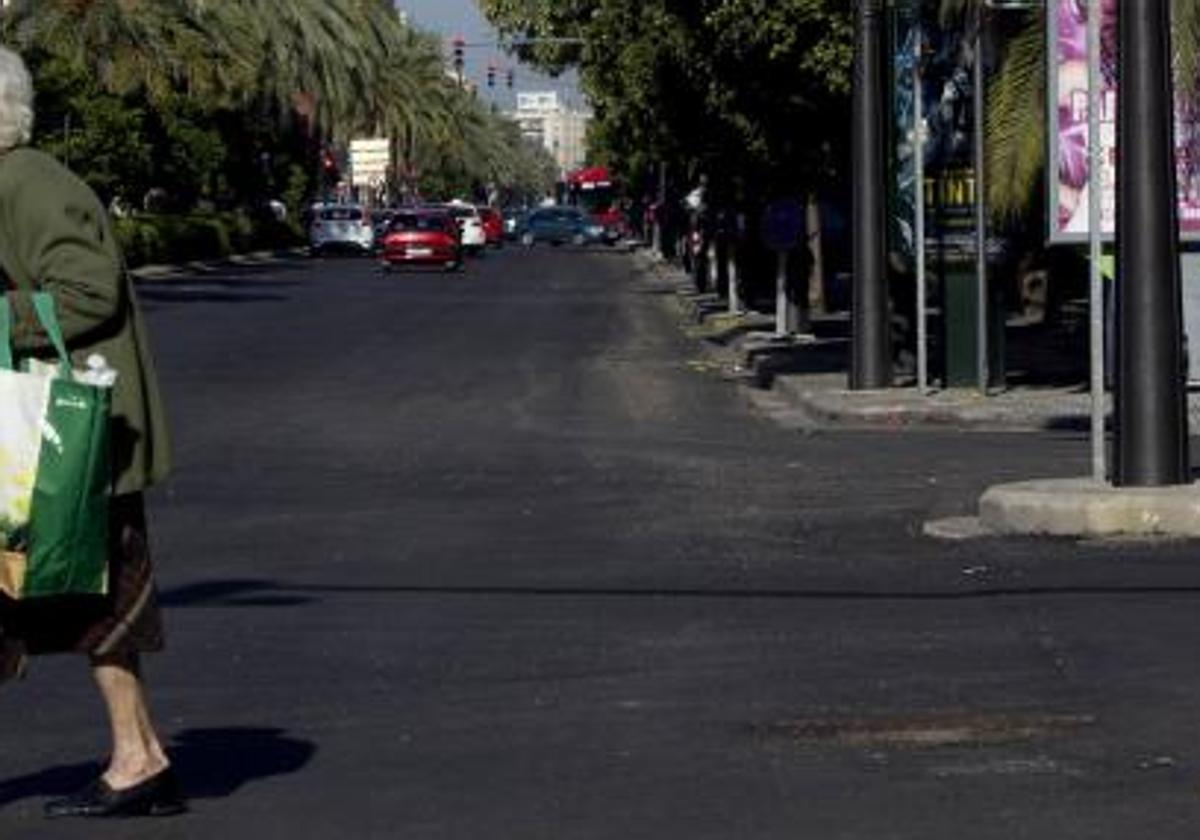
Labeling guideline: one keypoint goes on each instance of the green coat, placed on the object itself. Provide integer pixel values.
(55, 236)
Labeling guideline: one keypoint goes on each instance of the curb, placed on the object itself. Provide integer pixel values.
(827, 405)
(825, 398)
(1080, 507)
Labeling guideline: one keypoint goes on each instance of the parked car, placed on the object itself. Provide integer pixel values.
(493, 226)
(559, 225)
(422, 237)
(340, 227)
(514, 220)
(470, 224)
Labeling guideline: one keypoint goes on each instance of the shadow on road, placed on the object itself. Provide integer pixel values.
(231, 593)
(165, 295)
(215, 763)
(211, 763)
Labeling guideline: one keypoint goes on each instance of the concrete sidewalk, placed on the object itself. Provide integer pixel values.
(809, 372)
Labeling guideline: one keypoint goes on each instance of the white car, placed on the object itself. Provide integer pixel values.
(470, 224)
(340, 227)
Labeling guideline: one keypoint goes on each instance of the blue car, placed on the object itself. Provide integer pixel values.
(559, 226)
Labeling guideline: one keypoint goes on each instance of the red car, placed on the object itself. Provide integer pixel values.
(422, 237)
(493, 226)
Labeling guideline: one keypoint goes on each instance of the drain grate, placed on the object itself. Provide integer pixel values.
(931, 729)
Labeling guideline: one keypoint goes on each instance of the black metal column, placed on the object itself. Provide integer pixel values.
(1151, 401)
(871, 363)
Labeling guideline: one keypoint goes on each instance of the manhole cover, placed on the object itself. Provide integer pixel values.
(934, 729)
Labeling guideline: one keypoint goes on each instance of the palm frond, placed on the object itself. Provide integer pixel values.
(1016, 124)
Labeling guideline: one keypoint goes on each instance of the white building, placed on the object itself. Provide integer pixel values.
(549, 121)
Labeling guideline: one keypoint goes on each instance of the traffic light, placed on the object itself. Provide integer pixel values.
(491, 75)
(512, 79)
(459, 63)
(329, 169)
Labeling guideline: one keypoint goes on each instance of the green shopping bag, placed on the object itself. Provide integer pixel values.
(54, 472)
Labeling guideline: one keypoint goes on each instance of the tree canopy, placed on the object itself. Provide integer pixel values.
(232, 100)
(752, 93)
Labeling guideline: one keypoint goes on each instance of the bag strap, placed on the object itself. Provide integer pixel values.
(43, 307)
(6, 356)
(43, 304)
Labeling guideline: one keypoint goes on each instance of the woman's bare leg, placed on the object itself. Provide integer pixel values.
(137, 753)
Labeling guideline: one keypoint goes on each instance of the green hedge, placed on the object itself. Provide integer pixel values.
(152, 239)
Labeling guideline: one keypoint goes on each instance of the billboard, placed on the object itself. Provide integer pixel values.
(1069, 166)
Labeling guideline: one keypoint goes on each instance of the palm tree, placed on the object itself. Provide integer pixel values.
(152, 46)
(349, 67)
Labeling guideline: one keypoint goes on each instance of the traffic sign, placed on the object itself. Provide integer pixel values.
(369, 160)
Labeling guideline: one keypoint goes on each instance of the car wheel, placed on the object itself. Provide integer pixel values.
(577, 239)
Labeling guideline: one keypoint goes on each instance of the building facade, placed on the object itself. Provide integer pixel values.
(546, 119)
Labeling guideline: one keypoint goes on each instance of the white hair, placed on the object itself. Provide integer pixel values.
(16, 101)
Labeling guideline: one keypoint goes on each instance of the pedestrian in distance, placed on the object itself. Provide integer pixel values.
(55, 237)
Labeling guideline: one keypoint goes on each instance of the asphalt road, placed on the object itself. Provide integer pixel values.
(499, 556)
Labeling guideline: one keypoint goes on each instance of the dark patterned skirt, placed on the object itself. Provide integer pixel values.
(124, 622)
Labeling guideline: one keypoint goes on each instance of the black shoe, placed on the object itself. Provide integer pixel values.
(157, 796)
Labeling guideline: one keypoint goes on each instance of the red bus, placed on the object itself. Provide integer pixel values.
(592, 190)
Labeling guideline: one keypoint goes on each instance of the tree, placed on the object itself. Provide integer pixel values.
(750, 95)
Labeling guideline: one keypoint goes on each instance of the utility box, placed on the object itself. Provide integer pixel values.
(960, 327)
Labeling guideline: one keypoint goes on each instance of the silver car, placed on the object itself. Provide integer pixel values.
(341, 227)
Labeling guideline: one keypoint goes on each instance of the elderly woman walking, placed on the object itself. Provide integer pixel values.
(55, 237)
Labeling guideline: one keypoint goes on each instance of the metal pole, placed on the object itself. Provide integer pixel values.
(735, 305)
(872, 351)
(1095, 234)
(919, 210)
(712, 268)
(660, 218)
(981, 273)
(1151, 408)
(781, 297)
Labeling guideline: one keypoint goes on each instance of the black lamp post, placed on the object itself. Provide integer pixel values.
(871, 363)
(1150, 439)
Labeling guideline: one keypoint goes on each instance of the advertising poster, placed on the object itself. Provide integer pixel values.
(1068, 101)
(946, 100)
